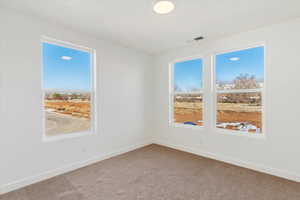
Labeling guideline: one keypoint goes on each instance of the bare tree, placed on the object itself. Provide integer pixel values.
(244, 81)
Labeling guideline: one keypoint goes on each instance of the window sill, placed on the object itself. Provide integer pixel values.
(178, 125)
(240, 133)
(66, 136)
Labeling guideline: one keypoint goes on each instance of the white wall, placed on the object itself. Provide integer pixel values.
(127, 116)
(279, 152)
(124, 105)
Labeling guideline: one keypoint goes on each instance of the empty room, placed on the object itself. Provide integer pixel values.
(149, 100)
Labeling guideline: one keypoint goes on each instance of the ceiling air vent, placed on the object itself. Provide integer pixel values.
(198, 38)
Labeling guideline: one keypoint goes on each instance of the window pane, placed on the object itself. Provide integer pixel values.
(188, 76)
(240, 69)
(67, 90)
(240, 111)
(188, 109)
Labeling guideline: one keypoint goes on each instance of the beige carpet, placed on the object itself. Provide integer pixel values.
(160, 173)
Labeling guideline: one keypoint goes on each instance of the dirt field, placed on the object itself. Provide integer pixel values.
(73, 108)
(188, 112)
(227, 112)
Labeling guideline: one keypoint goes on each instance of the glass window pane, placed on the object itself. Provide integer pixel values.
(188, 109)
(240, 69)
(188, 76)
(240, 111)
(67, 90)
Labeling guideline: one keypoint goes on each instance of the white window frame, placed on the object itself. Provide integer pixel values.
(215, 92)
(172, 93)
(93, 106)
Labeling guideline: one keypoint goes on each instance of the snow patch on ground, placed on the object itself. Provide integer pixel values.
(241, 126)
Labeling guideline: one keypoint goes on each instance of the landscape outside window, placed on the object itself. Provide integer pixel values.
(187, 93)
(67, 89)
(240, 79)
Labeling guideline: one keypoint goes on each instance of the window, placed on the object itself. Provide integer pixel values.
(186, 93)
(239, 84)
(68, 89)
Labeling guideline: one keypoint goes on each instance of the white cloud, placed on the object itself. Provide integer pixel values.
(66, 57)
(234, 58)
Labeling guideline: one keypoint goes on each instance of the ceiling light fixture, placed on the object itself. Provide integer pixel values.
(163, 7)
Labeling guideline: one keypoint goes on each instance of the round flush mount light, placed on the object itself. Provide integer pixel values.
(163, 7)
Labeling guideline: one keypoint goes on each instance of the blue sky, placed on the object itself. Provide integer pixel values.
(231, 65)
(188, 74)
(65, 68)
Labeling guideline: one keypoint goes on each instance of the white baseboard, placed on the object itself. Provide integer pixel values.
(49, 174)
(52, 173)
(256, 167)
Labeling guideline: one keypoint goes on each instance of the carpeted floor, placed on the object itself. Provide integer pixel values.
(159, 173)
